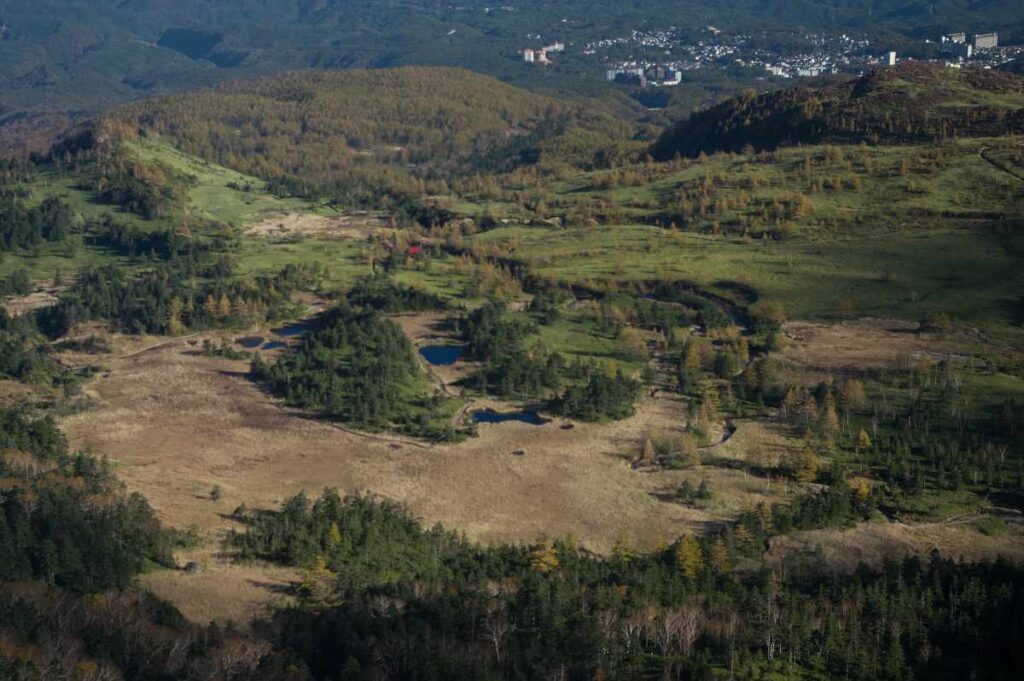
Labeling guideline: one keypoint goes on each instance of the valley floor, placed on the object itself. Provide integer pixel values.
(177, 423)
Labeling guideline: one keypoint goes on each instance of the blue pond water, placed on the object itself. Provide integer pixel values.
(274, 345)
(291, 330)
(491, 416)
(250, 342)
(441, 355)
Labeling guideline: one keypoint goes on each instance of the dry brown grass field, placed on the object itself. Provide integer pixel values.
(23, 305)
(224, 590)
(351, 226)
(13, 391)
(860, 344)
(870, 543)
(176, 423)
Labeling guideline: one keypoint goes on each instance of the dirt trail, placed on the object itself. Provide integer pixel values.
(996, 165)
(162, 344)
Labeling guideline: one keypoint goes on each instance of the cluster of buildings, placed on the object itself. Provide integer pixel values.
(981, 50)
(828, 53)
(540, 56)
(784, 70)
(822, 54)
(643, 75)
(658, 39)
(957, 45)
(979, 41)
(661, 57)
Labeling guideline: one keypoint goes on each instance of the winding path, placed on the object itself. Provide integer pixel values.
(994, 164)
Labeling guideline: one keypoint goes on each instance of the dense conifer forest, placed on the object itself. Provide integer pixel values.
(22, 227)
(377, 584)
(357, 367)
(64, 518)
(23, 355)
(163, 300)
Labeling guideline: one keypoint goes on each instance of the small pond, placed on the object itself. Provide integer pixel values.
(274, 345)
(441, 355)
(491, 416)
(296, 329)
(250, 342)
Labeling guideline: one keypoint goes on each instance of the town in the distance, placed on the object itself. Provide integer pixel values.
(660, 58)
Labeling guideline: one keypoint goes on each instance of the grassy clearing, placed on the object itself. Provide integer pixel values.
(576, 336)
(968, 273)
(211, 197)
(871, 188)
(43, 264)
(882, 231)
(342, 259)
(179, 423)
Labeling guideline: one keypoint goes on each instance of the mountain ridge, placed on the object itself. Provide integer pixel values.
(911, 103)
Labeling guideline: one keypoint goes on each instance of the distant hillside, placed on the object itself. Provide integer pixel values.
(385, 129)
(911, 103)
(74, 55)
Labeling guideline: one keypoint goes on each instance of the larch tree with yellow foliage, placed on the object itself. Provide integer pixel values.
(544, 558)
(863, 440)
(623, 549)
(690, 557)
(174, 324)
(333, 536)
(719, 557)
(320, 585)
(803, 464)
(807, 467)
(210, 306)
(223, 307)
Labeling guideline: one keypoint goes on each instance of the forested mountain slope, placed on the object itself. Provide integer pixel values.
(911, 103)
(88, 54)
(370, 130)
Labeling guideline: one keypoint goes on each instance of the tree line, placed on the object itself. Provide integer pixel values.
(165, 301)
(64, 518)
(382, 593)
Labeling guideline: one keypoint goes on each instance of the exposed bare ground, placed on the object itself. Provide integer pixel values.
(870, 543)
(222, 590)
(424, 327)
(22, 305)
(860, 344)
(13, 391)
(350, 226)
